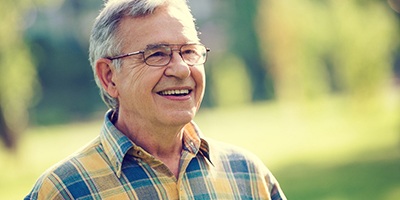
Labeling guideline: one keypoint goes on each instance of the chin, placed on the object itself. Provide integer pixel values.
(180, 119)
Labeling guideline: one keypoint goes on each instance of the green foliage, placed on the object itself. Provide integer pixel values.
(316, 47)
(309, 49)
(239, 17)
(17, 71)
(59, 40)
(231, 84)
(363, 45)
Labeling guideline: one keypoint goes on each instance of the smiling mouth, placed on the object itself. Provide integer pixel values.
(175, 92)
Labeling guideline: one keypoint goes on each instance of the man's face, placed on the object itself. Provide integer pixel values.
(145, 93)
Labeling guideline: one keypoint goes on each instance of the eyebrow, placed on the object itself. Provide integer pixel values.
(156, 45)
(172, 44)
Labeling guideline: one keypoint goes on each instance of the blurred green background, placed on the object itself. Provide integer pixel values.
(311, 87)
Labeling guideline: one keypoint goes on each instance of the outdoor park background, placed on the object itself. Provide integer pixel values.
(311, 87)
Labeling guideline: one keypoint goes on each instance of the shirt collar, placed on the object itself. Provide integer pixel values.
(194, 142)
(116, 145)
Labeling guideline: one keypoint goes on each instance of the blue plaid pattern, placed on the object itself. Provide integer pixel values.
(113, 167)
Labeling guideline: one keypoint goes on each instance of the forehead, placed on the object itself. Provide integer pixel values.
(168, 25)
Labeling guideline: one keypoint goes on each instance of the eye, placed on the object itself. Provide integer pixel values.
(157, 55)
(193, 50)
(190, 52)
(159, 52)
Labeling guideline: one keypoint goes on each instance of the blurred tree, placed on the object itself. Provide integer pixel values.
(59, 41)
(316, 47)
(17, 71)
(299, 42)
(241, 19)
(294, 35)
(229, 72)
(363, 46)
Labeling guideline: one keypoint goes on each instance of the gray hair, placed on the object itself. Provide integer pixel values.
(104, 41)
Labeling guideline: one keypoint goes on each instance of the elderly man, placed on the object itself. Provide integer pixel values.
(148, 63)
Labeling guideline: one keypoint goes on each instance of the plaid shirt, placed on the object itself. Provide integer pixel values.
(113, 167)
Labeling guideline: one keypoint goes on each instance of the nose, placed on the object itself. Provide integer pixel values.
(177, 67)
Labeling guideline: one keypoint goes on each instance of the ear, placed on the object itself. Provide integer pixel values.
(105, 73)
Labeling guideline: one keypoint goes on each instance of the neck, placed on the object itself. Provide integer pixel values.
(157, 140)
(164, 142)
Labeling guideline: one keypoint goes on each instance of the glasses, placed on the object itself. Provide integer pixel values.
(161, 54)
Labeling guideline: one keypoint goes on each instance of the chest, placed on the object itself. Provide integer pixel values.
(198, 179)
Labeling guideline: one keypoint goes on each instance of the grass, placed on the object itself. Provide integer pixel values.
(374, 177)
(327, 149)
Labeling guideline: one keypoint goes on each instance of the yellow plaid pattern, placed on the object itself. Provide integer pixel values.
(113, 167)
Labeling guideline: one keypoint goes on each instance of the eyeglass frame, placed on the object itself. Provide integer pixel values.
(170, 55)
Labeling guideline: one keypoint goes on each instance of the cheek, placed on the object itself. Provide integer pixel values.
(198, 74)
(143, 82)
(132, 81)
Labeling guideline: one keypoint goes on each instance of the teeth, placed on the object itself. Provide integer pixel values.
(175, 92)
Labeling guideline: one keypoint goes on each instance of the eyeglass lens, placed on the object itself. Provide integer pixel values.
(160, 55)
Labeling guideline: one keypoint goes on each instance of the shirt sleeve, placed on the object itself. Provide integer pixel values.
(272, 183)
(46, 189)
(275, 190)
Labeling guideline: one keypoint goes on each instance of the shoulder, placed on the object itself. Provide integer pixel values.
(225, 149)
(56, 181)
(234, 155)
(242, 163)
